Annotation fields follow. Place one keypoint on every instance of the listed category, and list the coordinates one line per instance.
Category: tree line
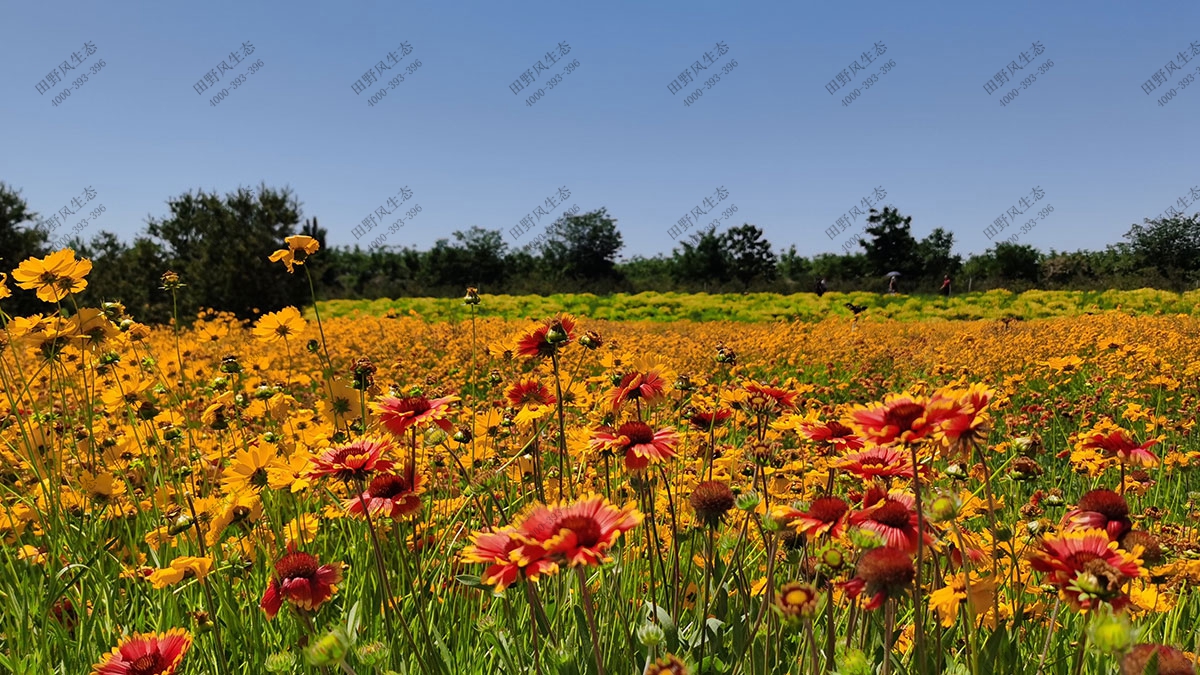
(219, 243)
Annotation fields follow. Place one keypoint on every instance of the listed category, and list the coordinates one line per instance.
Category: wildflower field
(372, 494)
(997, 304)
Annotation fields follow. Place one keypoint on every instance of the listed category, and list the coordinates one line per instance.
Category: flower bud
(945, 508)
(372, 654)
(651, 635)
(472, 296)
(748, 501)
(1112, 633)
(282, 662)
(329, 649)
(854, 662)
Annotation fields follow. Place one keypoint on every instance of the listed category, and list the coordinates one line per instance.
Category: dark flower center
(638, 433)
(1105, 502)
(839, 430)
(413, 404)
(587, 530)
(146, 664)
(827, 509)
(903, 416)
(298, 564)
(892, 514)
(388, 486)
(886, 569)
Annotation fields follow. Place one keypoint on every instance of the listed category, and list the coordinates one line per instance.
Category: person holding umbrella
(893, 287)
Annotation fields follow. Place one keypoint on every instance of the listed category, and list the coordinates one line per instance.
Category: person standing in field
(821, 288)
(892, 286)
(946, 286)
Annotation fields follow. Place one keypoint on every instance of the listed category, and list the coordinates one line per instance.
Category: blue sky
(792, 158)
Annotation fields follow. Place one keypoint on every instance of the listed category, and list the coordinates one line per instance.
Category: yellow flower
(280, 325)
(300, 246)
(54, 277)
(290, 475)
(946, 600)
(302, 529)
(4, 292)
(180, 569)
(249, 469)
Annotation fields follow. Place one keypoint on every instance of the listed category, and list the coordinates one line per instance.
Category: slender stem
(208, 598)
(537, 647)
(590, 611)
(1081, 651)
(918, 600)
(830, 635)
(1049, 634)
(888, 628)
(564, 462)
(812, 646)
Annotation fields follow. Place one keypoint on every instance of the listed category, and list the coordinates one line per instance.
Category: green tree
(702, 261)
(129, 274)
(1169, 245)
(889, 245)
(750, 255)
(936, 255)
(220, 245)
(582, 247)
(19, 241)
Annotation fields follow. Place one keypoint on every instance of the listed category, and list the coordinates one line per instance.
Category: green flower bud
(747, 501)
(283, 662)
(329, 649)
(1112, 633)
(854, 662)
(651, 635)
(372, 654)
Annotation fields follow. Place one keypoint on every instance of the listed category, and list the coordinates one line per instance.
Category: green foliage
(18, 241)
(216, 245)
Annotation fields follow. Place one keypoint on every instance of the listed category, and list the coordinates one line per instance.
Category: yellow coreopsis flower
(280, 325)
(4, 292)
(300, 246)
(54, 277)
(180, 569)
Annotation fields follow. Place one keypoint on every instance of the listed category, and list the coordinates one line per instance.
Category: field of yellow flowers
(377, 494)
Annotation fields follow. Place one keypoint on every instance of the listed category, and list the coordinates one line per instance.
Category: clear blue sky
(791, 156)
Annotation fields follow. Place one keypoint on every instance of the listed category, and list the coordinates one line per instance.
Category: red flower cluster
(548, 536)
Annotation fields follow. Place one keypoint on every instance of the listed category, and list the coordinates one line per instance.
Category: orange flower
(1087, 567)
(895, 521)
(54, 277)
(4, 292)
(826, 515)
(545, 338)
(878, 462)
(641, 445)
(355, 461)
(499, 549)
(1114, 441)
(300, 246)
(400, 414)
(900, 418)
(647, 383)
(578, 533)
(881, 573)
(301, 580)
(146, 654)
(393, 495)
